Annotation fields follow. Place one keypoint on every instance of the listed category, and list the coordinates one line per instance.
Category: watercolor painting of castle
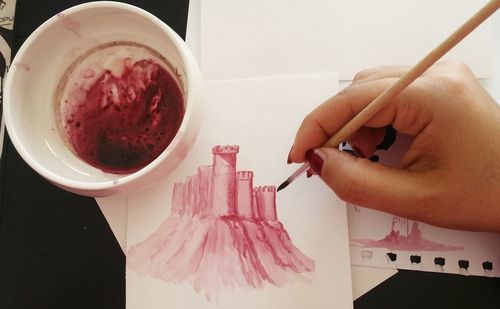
(222, 233)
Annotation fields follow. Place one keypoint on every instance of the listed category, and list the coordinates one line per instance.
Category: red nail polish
(315, 159)
(289, 161)
(309, 173)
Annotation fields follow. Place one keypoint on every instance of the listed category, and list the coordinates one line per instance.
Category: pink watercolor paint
(222, 233)
(405, 238)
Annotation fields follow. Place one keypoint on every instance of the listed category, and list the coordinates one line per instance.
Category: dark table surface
(57, 250)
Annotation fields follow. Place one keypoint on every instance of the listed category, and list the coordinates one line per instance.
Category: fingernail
(309, 173)
(316, 159)
(289, 161)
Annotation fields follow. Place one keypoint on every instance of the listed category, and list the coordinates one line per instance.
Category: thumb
(369, 184)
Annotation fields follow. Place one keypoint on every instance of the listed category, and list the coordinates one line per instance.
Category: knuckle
(454, 64)
(347, 92)
(455, 84)
(308, 120)
(364, 74)
(446, 82)
(359, 76)
(344, 92)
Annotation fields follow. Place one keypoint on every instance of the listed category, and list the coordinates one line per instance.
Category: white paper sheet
(264, 38)
(261, 116)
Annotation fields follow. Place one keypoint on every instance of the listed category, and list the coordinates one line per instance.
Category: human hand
(450, 175)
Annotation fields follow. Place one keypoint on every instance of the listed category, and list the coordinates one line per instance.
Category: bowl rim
(193, 80)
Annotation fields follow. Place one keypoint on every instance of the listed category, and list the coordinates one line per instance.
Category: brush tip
(283, 185)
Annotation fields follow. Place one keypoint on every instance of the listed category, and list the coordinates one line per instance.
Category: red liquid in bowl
(121, 121)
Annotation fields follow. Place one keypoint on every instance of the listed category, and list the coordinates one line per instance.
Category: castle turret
(205, 189)
(178, 200)
(400, 226)
(266, 202)
(224, 180)
(244, 205)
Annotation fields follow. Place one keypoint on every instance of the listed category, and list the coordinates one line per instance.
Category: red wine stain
(222, 233)
(23, 66)
(69, 24)
(124, 122)
(405, 238)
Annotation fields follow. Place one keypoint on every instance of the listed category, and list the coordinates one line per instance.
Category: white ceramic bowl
(41, 62)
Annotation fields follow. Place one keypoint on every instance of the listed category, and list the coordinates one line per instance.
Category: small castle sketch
(404, 235)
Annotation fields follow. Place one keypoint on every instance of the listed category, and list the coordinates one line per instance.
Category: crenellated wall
(244, 202)
(219, 190)
(266, 202)
(224, 180)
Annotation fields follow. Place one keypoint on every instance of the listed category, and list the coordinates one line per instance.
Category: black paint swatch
(487, 265)
(392, 256)
(439, 261)
(463, 264)
(415, 259)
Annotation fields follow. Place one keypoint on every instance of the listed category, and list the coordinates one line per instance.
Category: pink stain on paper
(405, 238)
(222, 233)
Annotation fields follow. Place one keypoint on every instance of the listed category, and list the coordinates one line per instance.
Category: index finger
(333, 114)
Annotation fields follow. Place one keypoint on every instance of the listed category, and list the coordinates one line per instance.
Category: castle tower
(400, 226)
(192, 203)
(205, 174)
(224, 180)
(266, 202)
(244, 201)
(178, 200)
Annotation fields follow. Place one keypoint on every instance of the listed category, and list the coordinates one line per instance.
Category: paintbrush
(385, 97)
